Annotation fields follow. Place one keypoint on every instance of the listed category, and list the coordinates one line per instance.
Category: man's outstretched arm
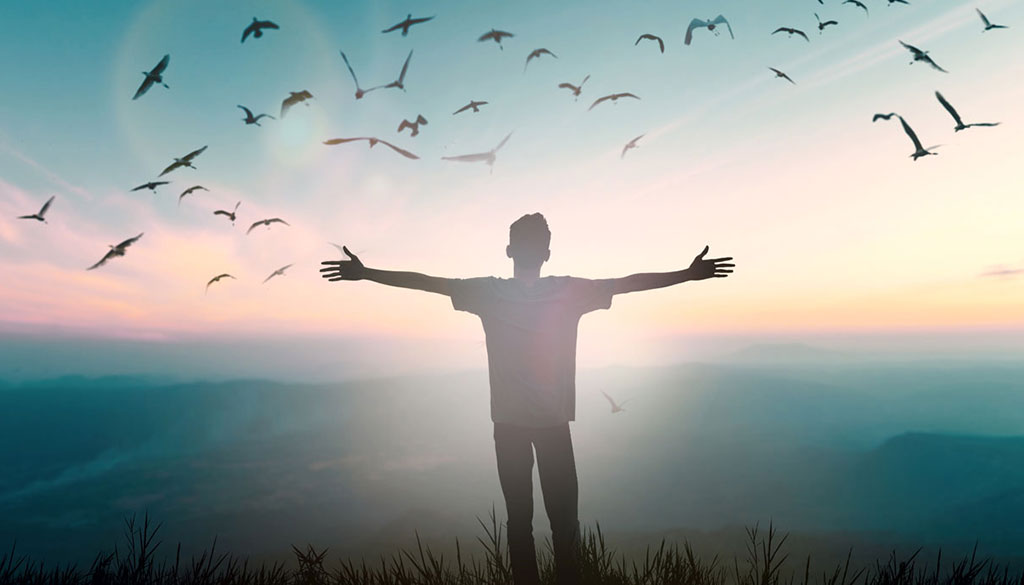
(353, 269)
(701, 268)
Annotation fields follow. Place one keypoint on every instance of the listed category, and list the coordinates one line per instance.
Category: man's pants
(514, 446)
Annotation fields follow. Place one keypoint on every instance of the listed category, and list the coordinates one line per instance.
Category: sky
(833, 227)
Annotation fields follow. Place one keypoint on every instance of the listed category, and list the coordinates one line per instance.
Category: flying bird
(891, 2)
(373, 142)
(115, 251)
(185, 161)
(473, 104)
(782, 75)
(956, 117)
(920, 55)
(400, 82)
(256, 27)
(189, 191)
(822, 25)
(535, 54)
(267, 223)
(650, 37)
(709, 24)
(488, 157)
(919, 150)
(41, 215)
(155, 75)
(229, 214)
(295, 98)
(857, 3)
(575, 89)
(152, 185)
(613, 97)
(629, 145)
(616, 407)
(250, 119)
(792, 31)
(988, 25)
(216, 279)
(415, 126)
(278, 272)
(405, 24)
(496, 36)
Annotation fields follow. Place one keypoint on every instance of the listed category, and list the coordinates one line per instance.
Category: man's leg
(514, 453)
(557, 468)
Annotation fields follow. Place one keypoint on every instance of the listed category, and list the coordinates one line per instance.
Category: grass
(134, 562)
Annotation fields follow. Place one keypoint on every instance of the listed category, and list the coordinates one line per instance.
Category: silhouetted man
(530, 326)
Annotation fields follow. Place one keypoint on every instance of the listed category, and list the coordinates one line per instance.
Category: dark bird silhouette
(41, 215)
(360, 92)
(152, 185)
(295, 97)
(575, 89)
(189, 191)
(782, 75)
(496, 36)
(857, 3)
(708, 24)
(405, 24)
(155, 75)
(919, 150)
(629, 145)
(891, 2)
(650, 37)
(822, 25)
(185, 161)
(115, 251)
(920, 55)
(616, 407)
(473, 104)
(537, 53)
(278, 272)
(250, 119)
(267, 223)
(414, 126)
(488, 157)
(956, 117)
(613, 97)
(228, 214)
(216, 279)
(988, 25)
(400, 82)
(256, 27)
(792, 31)
(373, 142)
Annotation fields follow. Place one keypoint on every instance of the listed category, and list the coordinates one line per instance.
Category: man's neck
(527, 274)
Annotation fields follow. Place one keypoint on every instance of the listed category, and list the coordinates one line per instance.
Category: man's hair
(532, 228)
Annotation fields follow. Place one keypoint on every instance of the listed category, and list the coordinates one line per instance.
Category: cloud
(45, 172)
(1002, 272)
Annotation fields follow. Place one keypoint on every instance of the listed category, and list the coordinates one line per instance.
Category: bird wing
(463, 108)
(395, 27)
(141, 187)
(46, 206)
(502, 33)
(277, 220)
(696, 22)
(420, 119)
(222, 212)
(933, 63)
(188, 157)
(883, 116)
(488, 35)
(610, 401)
(267, 24)
(910, 133)
(599, 100)
(253, 226)
(780, 29)
(661, 44)
(248, 30)
(257, 118)
(161, 65)
(171, 167)
(419, 20)
(584, 80)
(917, 52)
(828, 22)
(287, 103)
(802, 33)
(272, 275)
(129, 242)
(248, 112)
(334, 141)
(405, 67)
(400, 151)
(405, 124)
(502, 143)
(110, 254)
(721, 19)
(949, 108)
(470, 157)
(984, 19)
(568, 85)
(350, 70)
(625, 94)
(146, 84)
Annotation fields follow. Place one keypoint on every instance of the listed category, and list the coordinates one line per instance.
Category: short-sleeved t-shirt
(531, 341)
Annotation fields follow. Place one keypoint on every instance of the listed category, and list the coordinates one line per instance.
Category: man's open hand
(702, 268)
(351, 269)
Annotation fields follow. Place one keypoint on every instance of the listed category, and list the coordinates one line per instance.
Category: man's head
(528, 240)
